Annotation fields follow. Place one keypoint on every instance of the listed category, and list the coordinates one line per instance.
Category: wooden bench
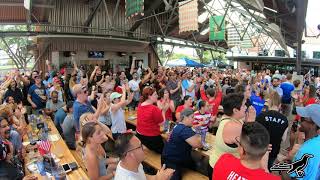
(154, 160)
(78, 157)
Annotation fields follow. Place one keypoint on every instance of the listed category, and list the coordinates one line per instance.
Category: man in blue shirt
(287, 87)
(37, 95)
(81, 105)
(310, 124)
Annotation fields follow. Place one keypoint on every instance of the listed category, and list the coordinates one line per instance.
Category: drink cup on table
(59, 173)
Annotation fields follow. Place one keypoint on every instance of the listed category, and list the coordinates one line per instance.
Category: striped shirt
(204, 118)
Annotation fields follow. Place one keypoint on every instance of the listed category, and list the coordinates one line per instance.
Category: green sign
(217, 29)
(316, 54)
(133, 7)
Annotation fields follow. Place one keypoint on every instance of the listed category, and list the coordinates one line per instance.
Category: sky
(312, 18)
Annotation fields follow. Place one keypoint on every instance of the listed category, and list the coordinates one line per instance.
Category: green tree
(179, 56)
(213, 55)
(16, 47)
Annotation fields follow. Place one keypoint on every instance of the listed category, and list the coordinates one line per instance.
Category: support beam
(148, 12)
(28, 18)
(301, 18)
(170, 18)
(158, 22)
(16, 4)
(191, 44)
(39, 57)
(116, 10)
(92, 14)
(107, 11)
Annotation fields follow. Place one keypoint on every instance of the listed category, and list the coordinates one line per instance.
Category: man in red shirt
(212, 96)
(253, 145)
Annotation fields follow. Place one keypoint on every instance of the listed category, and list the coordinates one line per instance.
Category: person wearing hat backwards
(310, 125)
(177, 150)
(118, 102)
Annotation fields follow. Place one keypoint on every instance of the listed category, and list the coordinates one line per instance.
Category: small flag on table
(44, 147)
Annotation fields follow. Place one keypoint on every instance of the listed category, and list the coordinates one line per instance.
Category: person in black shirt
(96, 75)
(276, 123)
(14, 92)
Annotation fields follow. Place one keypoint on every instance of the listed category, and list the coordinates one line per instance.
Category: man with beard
(52, 106)
(37, 96)
(310, 125)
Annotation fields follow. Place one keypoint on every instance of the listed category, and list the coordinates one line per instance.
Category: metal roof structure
(254, 15)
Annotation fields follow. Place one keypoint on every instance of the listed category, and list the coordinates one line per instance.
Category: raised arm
(93, 73)
(132, 65)
(49, 65)
(122, 102)
(146, 77)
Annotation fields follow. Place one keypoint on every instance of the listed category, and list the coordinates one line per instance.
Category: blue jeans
(202, 133)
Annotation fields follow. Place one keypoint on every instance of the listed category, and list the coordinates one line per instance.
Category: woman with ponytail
(149, 119)
(93, 135)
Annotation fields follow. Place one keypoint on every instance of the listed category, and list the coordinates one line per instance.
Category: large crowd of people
(268, 117)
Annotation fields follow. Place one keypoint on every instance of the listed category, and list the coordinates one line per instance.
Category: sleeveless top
(102, 166)
(102, 163)
(220, 147)
(118, 121)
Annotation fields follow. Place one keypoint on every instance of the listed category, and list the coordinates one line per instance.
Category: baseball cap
(186, 112)
(115, 95)
(311, 111)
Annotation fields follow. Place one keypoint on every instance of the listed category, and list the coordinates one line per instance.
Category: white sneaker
(206, 147)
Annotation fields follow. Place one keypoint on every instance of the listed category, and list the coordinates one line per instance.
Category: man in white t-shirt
(134, 87)
(130, 150)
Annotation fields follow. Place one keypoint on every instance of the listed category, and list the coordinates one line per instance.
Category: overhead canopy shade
(185, 62)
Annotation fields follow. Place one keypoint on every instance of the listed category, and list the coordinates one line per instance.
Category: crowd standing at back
(267, 118)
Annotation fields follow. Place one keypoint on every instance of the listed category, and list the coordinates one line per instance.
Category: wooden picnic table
(210, 138)
(61, 150)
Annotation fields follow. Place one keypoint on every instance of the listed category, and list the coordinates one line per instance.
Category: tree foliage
(16, 47)
(204, 57)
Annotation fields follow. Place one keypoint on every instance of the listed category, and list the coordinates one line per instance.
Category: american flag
(45, 145)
